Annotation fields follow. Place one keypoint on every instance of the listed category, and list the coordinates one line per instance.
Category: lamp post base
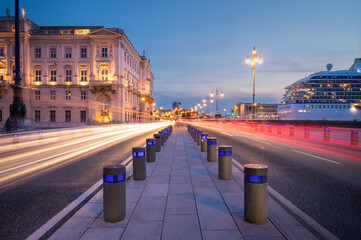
(18, 124)
(218, 115)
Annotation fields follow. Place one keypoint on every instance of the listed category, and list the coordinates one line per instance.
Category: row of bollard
(114, 179)
(326, 133)
(255, 184)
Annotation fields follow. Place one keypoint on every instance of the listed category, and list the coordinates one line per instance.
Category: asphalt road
(321, 179)
(26, 206)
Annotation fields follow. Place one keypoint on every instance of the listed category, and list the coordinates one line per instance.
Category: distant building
(75, 75)
(263, 110)
(176, 105)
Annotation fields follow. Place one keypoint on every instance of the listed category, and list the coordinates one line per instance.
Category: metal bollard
(326, 135)
(212, 149)
(199, 133)
(114, 193)
(279, 130)
(151, 148)
(204, 138)
(225, 162)
(195, 135)
(307, 132)
(255, 193)
(270, 129)
(139, 163)
(292, 130)
(165, 135)
(354, 137)
(157, 142)
(161, 138)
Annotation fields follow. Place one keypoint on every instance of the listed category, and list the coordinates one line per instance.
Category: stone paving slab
(182, 198)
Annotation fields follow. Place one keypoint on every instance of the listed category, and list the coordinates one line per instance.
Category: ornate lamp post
(253, 60)
(221, 95)
(17, 108)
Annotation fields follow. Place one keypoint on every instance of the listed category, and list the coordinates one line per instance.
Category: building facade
(176, 105)
(75, 75)
(263, 110)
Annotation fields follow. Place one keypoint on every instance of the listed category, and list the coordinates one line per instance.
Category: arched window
(53, 73)
(2, 71)
(83, 73)
(104, 74)
(37, 73)
(104, 71)
(68, 73)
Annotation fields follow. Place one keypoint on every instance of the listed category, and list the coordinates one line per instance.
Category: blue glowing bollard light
(225, 153)
(210, 142)
(257, 179)
(138, 154)
(114, 178)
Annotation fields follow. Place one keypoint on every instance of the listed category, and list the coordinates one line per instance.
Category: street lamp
(221, 94)
(253, 60)
(17, 109)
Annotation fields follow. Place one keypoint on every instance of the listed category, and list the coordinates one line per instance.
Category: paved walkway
(182, 198)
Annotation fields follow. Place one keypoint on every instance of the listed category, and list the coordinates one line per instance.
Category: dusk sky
(196, 46)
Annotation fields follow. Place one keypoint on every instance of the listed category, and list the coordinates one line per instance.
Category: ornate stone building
(75, 75)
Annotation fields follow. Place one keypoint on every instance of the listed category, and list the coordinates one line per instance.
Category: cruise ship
(325, 95)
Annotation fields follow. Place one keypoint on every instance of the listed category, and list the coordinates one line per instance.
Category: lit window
(104, 74)
(38, 75)
(67, 95)
(83, 75)
(67, 52)
(37, 52)
(68, 76)
(52, 75)
(104, 52)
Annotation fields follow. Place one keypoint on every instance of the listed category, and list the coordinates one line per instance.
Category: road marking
(227, 134)
(317, 157)
(306, 218)
(63, 213)
(262, 141)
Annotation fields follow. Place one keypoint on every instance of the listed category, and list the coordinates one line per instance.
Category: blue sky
(196, 46)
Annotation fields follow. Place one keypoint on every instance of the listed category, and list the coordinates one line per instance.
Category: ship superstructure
(325, 95)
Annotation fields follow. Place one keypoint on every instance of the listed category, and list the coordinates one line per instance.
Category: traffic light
(232, 113)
